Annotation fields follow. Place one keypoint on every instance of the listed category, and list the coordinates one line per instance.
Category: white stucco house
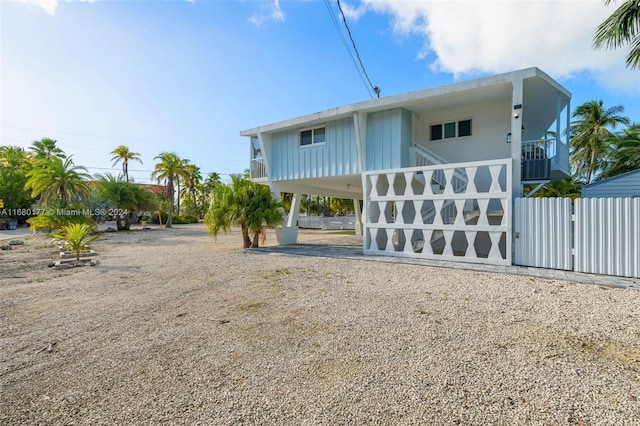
(437, 169)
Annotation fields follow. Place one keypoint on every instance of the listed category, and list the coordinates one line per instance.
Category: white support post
(358, 224)
(360, 125)
(517, 117)
(558, 112)
(287, 233)
(568, 133)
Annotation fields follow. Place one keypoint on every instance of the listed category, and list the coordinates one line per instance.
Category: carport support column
(287, 233)
(356, 209)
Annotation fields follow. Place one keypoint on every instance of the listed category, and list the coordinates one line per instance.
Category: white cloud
(269, 12)
(49, 6)
(465, 37)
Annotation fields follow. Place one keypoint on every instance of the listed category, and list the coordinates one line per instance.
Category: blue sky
(187, 76)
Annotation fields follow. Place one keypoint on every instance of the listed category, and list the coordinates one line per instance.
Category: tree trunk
(256, 237)
(171, 196)
(245, 236)
(127, 222)
(119, 226)
(593, 160)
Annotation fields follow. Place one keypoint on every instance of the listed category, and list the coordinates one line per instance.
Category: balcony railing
(540, 157)
(258, 170)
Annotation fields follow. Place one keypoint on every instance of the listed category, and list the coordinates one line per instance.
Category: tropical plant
(76, 237)
(623, 153)
(567, 187)
(170, 168)
(245, 204)
(125, 196)
(58, 181)
(192, 179)
(14, 165)
(124, 155)
(621, 28)
(590, 135)
(56, 217)
(45, 148)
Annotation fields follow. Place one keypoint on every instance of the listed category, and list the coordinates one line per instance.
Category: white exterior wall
(337, 156)
(491, 121)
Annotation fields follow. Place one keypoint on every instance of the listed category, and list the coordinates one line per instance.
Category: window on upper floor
(450, 130)
(312, 136)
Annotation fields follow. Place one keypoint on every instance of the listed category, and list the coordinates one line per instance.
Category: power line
(115, 137)
(344, 19)
(336, 23)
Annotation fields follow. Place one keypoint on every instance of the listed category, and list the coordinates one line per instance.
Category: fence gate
(607, 239)
(602, 236)
(543, 233)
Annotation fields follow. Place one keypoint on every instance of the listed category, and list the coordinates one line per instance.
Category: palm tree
(76, 237)
(191, 181)
(623, 153)
(122, 153)
(45, 148)
(56, 180)
(126, 196)
(169, 169)
(621, 28)
(246, 204)
(590, 135)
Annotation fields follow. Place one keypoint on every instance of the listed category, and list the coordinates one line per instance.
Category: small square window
(464, 128)
(450, 130)
(318, 135)
(306, 137)
(436, 132)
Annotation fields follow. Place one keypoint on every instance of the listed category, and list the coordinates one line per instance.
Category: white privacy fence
(597, 235)
(426, 212)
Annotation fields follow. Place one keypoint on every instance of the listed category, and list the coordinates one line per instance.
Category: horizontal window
(450, 130)
(312, 136)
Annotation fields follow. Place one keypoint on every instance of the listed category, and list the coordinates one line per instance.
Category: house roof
(612, 179)
(540, 86)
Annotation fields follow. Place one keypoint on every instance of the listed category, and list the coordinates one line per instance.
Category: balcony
(544, 159)
(258, 171)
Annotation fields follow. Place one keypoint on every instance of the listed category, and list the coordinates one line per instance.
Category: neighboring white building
(624, 185)
(437, 169)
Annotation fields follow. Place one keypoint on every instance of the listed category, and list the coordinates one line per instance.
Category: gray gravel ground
(174, 328)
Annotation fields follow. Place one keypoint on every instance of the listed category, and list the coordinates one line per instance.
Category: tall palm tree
(170, 168)
(45, 148)
(590, 135)
(623, 153)
(246, 204)
(621, 28)
(56, 180)
(122, 153)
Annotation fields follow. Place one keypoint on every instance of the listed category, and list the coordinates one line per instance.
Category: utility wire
(336, 23)
(374, 88)
(115, 137)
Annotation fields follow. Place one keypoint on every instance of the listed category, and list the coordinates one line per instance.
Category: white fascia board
(397, 101)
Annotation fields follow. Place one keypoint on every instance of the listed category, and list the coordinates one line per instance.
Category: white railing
(395, 201)
(258, 170)
(542, 155)
(423, 157)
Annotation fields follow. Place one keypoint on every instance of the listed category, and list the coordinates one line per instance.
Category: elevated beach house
(437, 169)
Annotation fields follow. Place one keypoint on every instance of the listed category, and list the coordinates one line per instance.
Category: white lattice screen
(458, 211)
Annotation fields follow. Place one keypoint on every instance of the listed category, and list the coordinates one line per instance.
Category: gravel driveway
(173, 327)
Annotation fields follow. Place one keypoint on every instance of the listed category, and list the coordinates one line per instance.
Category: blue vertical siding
(337, 156)
(388, 139)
